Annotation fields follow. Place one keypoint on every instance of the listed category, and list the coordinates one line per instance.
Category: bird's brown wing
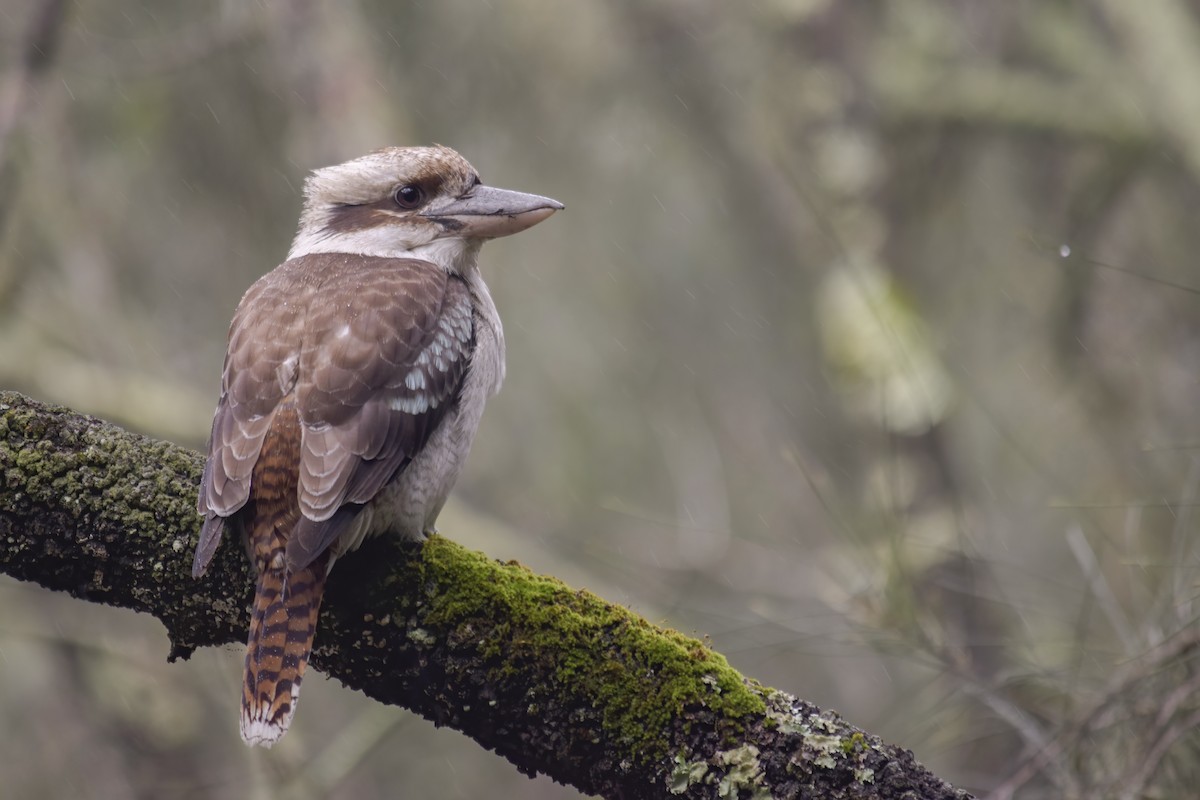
(374, 384)
(259, 371)
(373, 350)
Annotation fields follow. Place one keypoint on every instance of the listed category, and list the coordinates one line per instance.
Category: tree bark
(555, 680)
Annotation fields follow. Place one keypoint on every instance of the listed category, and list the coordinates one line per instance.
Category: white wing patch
(415, 379)
(454, 330)
(410, 404)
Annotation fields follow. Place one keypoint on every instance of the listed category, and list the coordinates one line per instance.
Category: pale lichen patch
(824, 741)
(827, 748)
(421, 636)
(685, 774)
(744, 773)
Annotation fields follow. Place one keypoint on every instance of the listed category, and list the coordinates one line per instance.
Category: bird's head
(410, 202)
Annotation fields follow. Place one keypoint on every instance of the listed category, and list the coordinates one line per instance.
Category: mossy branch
(555, 680)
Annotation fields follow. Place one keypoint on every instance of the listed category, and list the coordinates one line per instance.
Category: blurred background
(867, 346)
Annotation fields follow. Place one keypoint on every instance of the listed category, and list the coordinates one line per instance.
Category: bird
(354, 381)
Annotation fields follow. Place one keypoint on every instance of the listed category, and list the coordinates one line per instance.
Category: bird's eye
(409, 196)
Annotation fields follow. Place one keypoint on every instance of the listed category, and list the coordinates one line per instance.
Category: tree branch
(555, 680)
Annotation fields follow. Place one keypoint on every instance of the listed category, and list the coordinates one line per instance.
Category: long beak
(488, 213)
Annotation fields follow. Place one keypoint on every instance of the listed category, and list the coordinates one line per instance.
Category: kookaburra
(354, 381)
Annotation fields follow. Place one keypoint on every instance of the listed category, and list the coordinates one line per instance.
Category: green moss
(639, 676)
(86, 467)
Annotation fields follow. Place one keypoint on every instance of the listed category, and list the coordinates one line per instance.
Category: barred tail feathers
(282, 624)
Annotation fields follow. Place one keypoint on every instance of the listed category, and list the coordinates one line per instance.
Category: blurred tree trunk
(555, 680)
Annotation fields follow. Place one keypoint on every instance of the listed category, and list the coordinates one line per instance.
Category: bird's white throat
(454, 254)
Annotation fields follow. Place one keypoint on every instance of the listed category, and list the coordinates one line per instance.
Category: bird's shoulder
(348, 308)
(348, 277)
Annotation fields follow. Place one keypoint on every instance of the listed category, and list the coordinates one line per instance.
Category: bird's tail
(282, 624)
